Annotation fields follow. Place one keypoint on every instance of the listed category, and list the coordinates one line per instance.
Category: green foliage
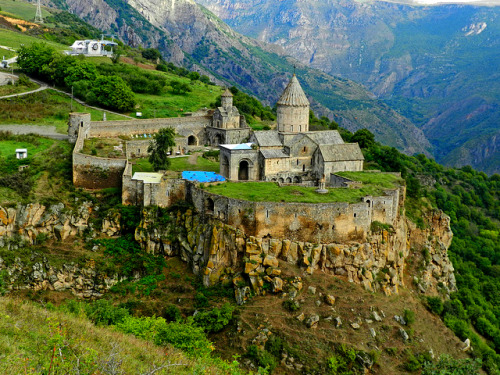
(409, 316)
(214, 320)
(262, 358)
(343, 362)
(162, 142)
(447, 365)
(151, 54)
(172, 313)
(364, 138)
(185, 336)
(103, 312)
(435, 305)
(291, 305)
(179, 88)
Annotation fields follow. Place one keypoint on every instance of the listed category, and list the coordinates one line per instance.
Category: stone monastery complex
(289, 155)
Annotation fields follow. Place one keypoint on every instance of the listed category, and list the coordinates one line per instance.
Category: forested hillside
(472, 200)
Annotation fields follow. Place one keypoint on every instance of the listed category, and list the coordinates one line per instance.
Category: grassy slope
(16, 39)
(29, 334)
(19, 9)
(46, 108)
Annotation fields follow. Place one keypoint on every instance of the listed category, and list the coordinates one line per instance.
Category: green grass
(15, 89)
(20, 9)
(7, 54)
(46, 108)
(383, 180)
(14, 40)
(103, 147)
(8, 148)
(179, 164)
(170, 105)
(271, 192)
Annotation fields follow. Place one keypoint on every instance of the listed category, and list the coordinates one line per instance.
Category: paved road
(46, 131)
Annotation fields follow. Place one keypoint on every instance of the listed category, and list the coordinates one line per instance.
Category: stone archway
(219, 139)
(192, 141)
(288, 180)
(297, 179)
(243, 170)
(210, 206)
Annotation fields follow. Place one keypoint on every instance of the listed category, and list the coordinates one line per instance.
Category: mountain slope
(196, 38)
(438, 66)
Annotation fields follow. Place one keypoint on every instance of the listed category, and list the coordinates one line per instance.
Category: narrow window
(354, 215)
(267, 213)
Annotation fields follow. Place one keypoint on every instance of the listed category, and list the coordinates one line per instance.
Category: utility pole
(38, 15)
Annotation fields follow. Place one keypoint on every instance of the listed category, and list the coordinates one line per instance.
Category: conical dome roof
(293, 94)
(227, 93)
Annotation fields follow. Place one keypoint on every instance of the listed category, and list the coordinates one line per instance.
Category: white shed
(21, 153)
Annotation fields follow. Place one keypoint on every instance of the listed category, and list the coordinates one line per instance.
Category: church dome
(227, 93)
(293, 94)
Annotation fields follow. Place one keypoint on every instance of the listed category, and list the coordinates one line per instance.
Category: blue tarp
(202, 176)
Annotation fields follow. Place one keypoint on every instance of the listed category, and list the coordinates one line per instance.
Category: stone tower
(227, 99)
(293, 109)
(78, 121)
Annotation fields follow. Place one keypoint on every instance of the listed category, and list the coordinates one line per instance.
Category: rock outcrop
(37, 273)
(221, 253)
(27, 223)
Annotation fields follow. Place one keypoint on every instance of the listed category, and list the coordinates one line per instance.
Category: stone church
(290, 154)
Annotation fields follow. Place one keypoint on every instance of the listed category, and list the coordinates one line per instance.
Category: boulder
(312, 321)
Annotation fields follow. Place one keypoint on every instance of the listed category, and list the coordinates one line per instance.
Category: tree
(364, 137)
(112, 92)
(151, 54)
(34, 58)
(179, 88)
(83, 71)
(162, 142)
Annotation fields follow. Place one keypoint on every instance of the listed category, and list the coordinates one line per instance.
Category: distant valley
(438, 66)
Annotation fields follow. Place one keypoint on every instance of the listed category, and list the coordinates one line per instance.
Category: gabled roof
(267, 138)
(273, 154)
(343, 152)
(227, 93)
(293, 94)
(326, 137)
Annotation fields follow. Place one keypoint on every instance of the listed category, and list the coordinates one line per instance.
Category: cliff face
(222, 253)
(24, 224)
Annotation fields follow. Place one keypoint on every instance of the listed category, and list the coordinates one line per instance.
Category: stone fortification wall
(92, 172)
(184, 126)
(138, 193)
(137, 148)
(324, 222)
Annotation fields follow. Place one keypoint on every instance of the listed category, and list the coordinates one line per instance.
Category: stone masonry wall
(320, 223)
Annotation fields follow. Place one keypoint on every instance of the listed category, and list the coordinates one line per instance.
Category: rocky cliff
(222, 253)
(28, 223)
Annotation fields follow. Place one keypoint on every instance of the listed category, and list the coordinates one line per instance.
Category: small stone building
(292, 154)
(228, 126)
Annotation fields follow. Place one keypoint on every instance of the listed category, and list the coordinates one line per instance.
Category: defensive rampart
(313, 222)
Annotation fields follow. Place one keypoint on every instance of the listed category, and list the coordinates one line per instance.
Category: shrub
(186, 337)
(216, 319)
(291, 305)
(435, 305)
(409, 316)
(103, 312)
(172, 313)
(262, 357)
